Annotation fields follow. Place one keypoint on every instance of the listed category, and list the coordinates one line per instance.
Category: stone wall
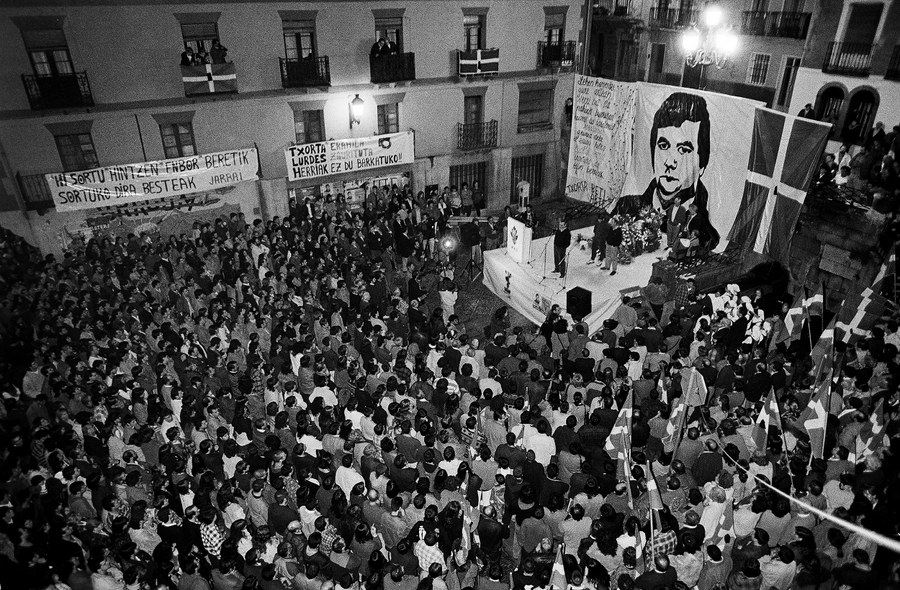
(838, 245)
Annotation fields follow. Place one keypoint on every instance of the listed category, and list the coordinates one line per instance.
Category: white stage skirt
(532, 295)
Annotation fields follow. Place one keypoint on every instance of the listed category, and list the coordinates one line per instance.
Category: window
(469, 174)
(391, 30)
(473, 109)
(178, 139)
(474, 31)
(388, 118)
(554, 26)
(758, 70)
(535, 109)
(199, 36)
(657, 62)
(788, 76)
(299, 38)
(76, 151)
(530, 168)
(309, 126)
(48, 52)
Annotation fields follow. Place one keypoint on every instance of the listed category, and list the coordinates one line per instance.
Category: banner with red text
(113, 186)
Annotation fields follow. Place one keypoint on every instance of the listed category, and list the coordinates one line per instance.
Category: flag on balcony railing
(479, 61)
(784, 156)
(209, 79)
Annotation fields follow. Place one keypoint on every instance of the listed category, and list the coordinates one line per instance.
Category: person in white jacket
(448, 295)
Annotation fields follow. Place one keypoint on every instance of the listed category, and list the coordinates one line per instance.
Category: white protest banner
(600, 147)
(339, 156)
(132, 183)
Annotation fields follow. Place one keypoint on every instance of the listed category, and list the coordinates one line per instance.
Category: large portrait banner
(690, 151)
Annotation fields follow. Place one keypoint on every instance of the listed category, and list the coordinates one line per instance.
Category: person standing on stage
(598, 244)
(561, 241)
(613, 242)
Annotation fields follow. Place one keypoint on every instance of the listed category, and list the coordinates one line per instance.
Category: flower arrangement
(640, 234)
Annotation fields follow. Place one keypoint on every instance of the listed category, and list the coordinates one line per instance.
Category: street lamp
(711, 43)
(356, 110)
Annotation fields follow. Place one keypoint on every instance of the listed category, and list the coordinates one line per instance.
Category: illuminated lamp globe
(713, 16)
(690, 41)
(356, 109)
(726, 43)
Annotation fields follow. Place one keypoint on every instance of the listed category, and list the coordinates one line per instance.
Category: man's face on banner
(676, 161)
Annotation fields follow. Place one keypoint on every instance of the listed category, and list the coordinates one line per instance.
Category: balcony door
(863, 23)
(793, 6)
(473, 25)
(51, 62)
(473, 110)
(391, 30)
(299, 40)
(54, 74)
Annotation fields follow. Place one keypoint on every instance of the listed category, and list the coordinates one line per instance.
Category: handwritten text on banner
(325, 158)
(134, 183)
(600, 148)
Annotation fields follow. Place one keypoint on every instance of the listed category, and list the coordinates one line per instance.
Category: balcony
(478, 62)
(790, 25)
(476, 136)
(392, 68)
(309, 71)
(35, 191)
(556, 55)
(848, 59)
(672, 18)
(58, 92)
(619, 8)
(209, 79)
(893, 69)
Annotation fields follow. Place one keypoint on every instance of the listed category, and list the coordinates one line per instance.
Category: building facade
(641, 40)
(851, 69)
(92, 83)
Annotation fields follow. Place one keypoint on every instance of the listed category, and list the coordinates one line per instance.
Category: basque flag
(209, 78)
(479, 61)
(784, 157)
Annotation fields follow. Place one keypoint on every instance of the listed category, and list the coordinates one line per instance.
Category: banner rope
(877, 538)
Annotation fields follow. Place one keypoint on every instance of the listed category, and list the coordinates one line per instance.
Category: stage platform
(532, 295)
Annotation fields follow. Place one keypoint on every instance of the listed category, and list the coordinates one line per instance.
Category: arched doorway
(829, 103)
(860, 115)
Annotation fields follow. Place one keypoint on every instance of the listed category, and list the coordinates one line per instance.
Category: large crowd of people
(291, 404)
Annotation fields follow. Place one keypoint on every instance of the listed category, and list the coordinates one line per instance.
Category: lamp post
(711, 42)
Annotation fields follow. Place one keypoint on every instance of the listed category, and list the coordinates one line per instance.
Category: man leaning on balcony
(383, 47)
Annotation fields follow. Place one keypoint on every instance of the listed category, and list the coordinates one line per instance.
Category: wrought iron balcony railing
(57, 92)
(848, 59)
(556, 54)
(392, 68)
(476, 136)
(307, 71)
